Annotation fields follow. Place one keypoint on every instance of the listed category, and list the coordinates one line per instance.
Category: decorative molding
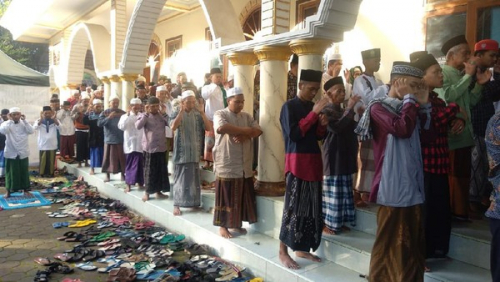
(273, 53)
(248, 10)
(114, 78)
(310, 46)
(242, 58)
(326, 24)
(269, 189)
(104, 79)
(128, 77)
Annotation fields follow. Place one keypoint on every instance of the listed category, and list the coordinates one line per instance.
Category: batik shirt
(492, 140)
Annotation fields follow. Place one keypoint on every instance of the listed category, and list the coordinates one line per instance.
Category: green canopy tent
(14, 73)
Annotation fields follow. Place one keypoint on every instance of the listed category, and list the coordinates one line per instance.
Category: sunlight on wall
(194, 60)
(395, 26)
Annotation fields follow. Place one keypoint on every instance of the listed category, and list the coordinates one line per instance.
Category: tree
(32, 55)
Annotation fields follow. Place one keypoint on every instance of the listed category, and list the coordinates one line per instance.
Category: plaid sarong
(338, 203)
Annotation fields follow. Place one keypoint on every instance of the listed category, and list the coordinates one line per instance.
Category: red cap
(487, 45)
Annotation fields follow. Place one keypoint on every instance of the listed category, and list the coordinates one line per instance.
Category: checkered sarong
(338, 204)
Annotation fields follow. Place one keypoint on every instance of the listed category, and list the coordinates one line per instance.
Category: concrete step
(346, 256)
(255, 251)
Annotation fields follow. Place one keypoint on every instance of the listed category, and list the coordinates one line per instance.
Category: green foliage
(32, 55)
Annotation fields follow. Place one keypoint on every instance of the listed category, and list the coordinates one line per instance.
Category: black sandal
(42, 276)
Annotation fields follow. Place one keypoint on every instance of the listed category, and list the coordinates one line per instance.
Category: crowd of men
(417, 146)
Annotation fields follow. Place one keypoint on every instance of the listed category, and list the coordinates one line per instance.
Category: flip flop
(57, 225)
(43, 261)
(87, 266)
(169, 238)
(67, 235)
(62, 256)
(61, 268)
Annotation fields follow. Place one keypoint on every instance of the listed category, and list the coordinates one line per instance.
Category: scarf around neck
(364, 129)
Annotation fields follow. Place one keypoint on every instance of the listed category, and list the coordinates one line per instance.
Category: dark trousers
(495, 249)
(437, 212)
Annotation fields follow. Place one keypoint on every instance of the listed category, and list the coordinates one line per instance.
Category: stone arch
(221, 18)
(83, 36)
(248, 10)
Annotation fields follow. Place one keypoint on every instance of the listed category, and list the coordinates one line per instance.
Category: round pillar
(116, 87)
(107, 90)
(243, 63)
(273, 87)
(127, 89)
(310, 53)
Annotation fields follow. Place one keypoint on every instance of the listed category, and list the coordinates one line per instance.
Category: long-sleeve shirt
(231, 159)
(399, 176)
(369, 88)
(47, 139)
(435, 151)
(112, 134)
(153, 140)
(456, 89)
(16, 144)
(214, 96)
(132, 137)
(96, 133)
(340, 147)
(78, 117)
(67, 126)
(484, 110)
(301, 131)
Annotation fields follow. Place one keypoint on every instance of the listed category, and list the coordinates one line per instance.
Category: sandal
(60, 268)
(87, 266)
(42, 276)
(43, 261)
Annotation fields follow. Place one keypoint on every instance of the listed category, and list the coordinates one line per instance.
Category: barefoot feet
(107, 177)
(127, 189)
(240, 230)
(328, 231)
(92, 171)
(145, 197)
(7, 195)
(287, 261)
(160, 195)
(308, 256)
(177, 211)
(224, 232)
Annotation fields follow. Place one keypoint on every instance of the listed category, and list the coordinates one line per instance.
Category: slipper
(43, 261)
(67, 235)
(61, 268)
(179, 238)
(169, 238)
(110, 267)
(62, 256)
(87, 266)
(42, 276)
(57, 225)
(94, 254)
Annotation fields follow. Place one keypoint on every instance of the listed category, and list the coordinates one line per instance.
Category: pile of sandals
(111, 240)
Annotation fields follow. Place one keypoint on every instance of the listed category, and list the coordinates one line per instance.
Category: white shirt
(46, 140)
(67, 125)
(132, 137)
(369, 88)
(17, 138)
(213, 95)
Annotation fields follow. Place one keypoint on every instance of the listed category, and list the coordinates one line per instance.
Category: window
(442, 28)
(172, 44)
(305, 8)
(252, 24)
(477, 19)
(488, 24)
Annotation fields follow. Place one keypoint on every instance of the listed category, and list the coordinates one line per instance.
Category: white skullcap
(99, 88)
(14, 110)
(76, 91)
(85, 96)
(187, 93)
(97, 101)
(234, 91)
(334, 56)
(135, 101)
(141, 78)
(113, 97)
(161, 88)
(230, 77)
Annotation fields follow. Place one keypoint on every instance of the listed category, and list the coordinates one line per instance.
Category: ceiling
(47, 18)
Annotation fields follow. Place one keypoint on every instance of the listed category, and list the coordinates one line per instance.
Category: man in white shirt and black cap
(16, 152)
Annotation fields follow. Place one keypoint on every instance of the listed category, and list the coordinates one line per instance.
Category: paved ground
(26, 234)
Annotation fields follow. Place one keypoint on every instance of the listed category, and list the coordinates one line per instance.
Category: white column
(243, 63)
(107, 90)
(116, 87)
(273, 88)
(127, 89)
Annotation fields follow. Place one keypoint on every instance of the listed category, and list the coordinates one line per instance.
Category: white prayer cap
(85, 96)
(14, 110)
(161, 88)
(113, 97)
(234, 91)
(334, 56)
(230, 77)
(141, 78)
(135, 101)
(100, 88)
(97, 101)
(75, 92)
(187, 93)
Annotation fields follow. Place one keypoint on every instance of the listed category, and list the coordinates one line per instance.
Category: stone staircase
(346, 257)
